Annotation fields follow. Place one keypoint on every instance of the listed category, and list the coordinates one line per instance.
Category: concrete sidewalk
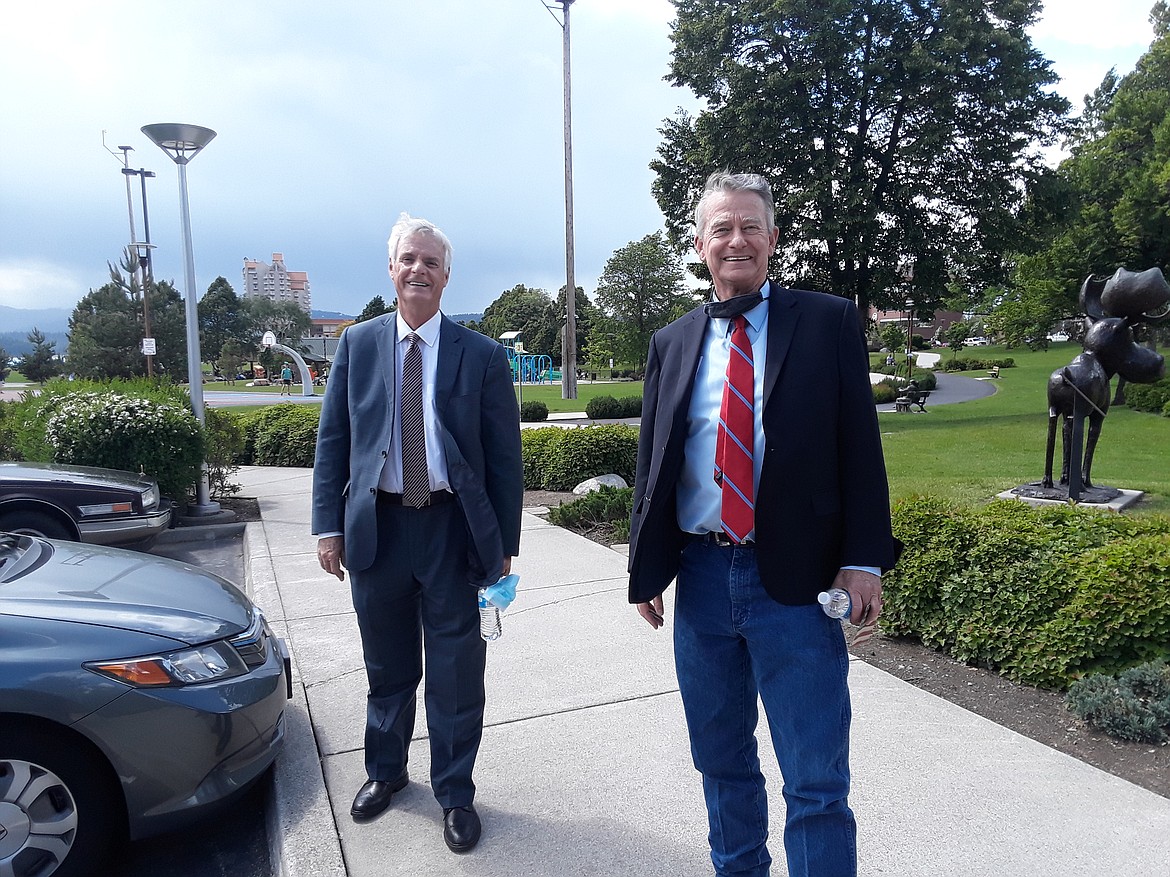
(585, 766)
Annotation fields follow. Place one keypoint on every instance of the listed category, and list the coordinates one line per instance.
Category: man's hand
(865, 593)
(652, 612)
(507, 567)
(331, 555)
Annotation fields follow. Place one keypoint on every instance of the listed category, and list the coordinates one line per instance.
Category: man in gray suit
(417, 491)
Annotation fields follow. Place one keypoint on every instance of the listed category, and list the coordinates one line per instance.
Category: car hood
(109, 587)
(42, 473)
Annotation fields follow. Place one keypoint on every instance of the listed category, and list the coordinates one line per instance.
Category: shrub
(630, 406)
(1148, 397)
(603, 408)
(533, 411)
(537, 447)
(883, 393)
(1042, 595)
(962, 365)
(560, 459)
(605, 510)
(225, 440)
(282, 435)
(1132, 706)
(8, 449)
(121, 432)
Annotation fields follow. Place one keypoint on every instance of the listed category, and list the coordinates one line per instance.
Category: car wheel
(33, 523)
(56, 807)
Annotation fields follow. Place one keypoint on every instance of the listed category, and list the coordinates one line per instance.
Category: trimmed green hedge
(1154, 398)
(560, 459)
(962, 365)
(533, 411)
(1043, 596)
(280, 435)
(609, 408)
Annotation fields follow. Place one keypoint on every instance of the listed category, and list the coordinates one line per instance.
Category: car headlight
(208, 663)
(150, 498)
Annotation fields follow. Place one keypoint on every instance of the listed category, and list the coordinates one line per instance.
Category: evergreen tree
(41, 364)
(221, 319)
(376, 307)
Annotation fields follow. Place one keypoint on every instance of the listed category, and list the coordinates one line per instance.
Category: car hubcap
(38, 820)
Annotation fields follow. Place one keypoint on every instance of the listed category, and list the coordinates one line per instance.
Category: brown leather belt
(437, 497)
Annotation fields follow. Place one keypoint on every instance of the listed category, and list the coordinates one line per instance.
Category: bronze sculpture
(1112, 308)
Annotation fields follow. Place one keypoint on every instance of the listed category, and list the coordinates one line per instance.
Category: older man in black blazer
(417, 491)
(760, 483)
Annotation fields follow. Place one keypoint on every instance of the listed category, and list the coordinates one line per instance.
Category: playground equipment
(528, 368)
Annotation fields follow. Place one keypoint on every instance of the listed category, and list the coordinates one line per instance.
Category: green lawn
(972, 451)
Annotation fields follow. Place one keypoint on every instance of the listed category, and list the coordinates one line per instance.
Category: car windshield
(20, 555)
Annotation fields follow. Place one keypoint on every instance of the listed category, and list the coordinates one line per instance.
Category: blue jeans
(731, 642)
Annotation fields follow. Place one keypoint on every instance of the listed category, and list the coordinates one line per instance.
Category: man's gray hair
(722, 182)
(408, 225)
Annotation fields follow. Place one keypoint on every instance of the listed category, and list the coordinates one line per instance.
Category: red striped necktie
(734, 472)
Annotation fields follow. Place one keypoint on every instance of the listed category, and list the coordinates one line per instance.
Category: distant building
(326, 327)
(276, 283)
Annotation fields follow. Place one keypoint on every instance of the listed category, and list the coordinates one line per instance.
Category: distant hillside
(465, 318)
(16, 343)
(329, 315)
(24, 320)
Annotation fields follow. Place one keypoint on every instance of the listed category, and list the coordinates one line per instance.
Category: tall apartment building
(277, 283)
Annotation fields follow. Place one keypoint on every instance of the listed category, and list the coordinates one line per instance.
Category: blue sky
(333, 118)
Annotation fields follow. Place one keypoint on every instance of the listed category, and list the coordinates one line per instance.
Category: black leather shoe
(374, 797)
(461, 828)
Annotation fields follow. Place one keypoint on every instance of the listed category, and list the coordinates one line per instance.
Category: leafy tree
(232, 355)
(221, 319)
(584, 315)
(41, 364)
(106, 331)
(889, 131)
(641, 290)
(956, 336)
(287, 320)
(528, 311)
(376, 307)
(1112, 204)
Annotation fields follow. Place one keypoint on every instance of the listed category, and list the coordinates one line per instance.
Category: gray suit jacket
(480, 427)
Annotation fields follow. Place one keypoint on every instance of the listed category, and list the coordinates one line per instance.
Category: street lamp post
(142, 250)
(182, 143)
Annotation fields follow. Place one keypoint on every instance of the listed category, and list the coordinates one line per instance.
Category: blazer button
(373, 490)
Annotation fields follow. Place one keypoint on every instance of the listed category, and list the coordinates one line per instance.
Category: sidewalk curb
(302, 835)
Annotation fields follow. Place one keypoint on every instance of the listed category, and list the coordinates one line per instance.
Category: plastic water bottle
(835, 602)
(489, 618)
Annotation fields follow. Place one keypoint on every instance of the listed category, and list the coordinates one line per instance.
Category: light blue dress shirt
(699, 497)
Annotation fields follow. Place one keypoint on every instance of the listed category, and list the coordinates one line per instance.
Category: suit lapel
(450, 355)
(387, 357)
(783, 315)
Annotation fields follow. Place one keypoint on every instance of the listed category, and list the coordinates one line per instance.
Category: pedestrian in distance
(417, 492)
(760, 483)
(286, 380)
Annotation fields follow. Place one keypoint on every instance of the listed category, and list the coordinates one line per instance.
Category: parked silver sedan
(136, 693)
(84, 503)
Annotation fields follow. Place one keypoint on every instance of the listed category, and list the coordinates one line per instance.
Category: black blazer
(823, 500)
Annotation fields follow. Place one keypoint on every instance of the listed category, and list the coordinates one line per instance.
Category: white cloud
(1095, 25)
(34, 285)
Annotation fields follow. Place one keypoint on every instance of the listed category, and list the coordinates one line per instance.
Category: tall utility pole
(142, 249)
(569, 338)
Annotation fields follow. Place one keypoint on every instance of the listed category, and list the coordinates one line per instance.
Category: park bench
(909, 399)
(993, 371)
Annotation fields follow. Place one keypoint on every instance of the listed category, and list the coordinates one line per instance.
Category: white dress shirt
(391, 477)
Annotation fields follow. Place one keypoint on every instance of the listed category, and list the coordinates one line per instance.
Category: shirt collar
(756, 316)
(428, 331)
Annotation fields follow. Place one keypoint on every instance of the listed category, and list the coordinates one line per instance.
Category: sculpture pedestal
(1114, 498)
